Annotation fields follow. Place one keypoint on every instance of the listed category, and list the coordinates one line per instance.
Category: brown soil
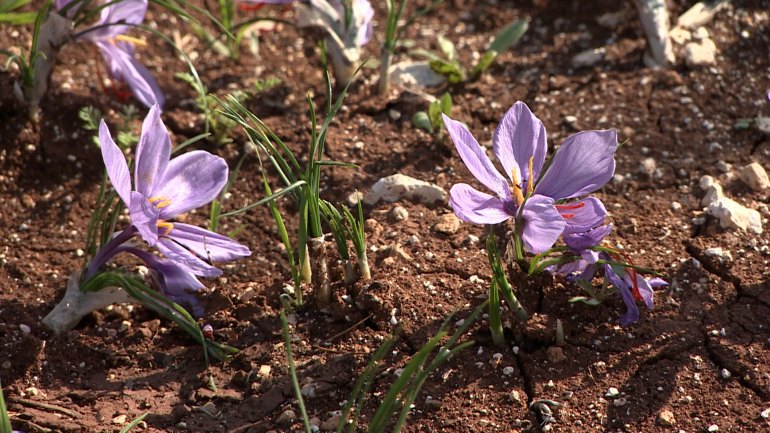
(712, 316)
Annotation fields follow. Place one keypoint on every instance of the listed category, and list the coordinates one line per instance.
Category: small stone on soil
(666, 418)
(286, 418)
(556, 355)
(713, 428)
(447, 224)
(612, 392)
(25, 329)
(725, 373)
(120, 419)
(399, 213)
(755, 176)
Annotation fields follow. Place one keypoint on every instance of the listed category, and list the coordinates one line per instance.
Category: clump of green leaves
(500, 286)
(91, 115)
(431, 121)
(393, 34)
(394, 407)
(10, 15)
(448, 64)
(217, 124)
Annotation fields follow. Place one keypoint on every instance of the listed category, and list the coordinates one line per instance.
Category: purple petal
(476, 159)
(144, 216)
(583, 215)
(363, 14)
(542, 224)
(124, 67)
(583, 164)
(124, 11)
(632, 311)
(184, 257)
(645, 289)
(587, 239)
(519, 137)
(190, 181)
(173, 280)
(152, 153)
(476, 207)
(115, 162)
(207, 245)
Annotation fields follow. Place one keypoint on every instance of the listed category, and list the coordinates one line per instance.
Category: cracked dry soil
(702, 355)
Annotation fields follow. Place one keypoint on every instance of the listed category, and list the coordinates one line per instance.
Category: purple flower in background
(164, 188)
(118, 49)
(633, 287)
(583, 164)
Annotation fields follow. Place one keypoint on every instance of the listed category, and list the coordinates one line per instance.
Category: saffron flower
(583, 164)
(633, 287)
(108, 34)
(164, 188)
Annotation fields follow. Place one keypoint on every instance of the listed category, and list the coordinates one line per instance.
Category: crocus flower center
(165, 225)
(568, 207)
(518, 194)
(159, 202)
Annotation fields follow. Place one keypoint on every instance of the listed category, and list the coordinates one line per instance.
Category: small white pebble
(508, 371)
(725, 373)
(713, 428)
(25, 329)
(612, 392)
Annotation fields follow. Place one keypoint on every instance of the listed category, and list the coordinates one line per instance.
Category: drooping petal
(173, 280)
(144, 216)
(583, 215)
(207, 245)
(519, 137)
(476, 159)
(113, 17)
(583, 164)
(190, 181)
(645, 289)
(632, 311)
(124, 67)
(587, 239)
(542, 224)
(173, 251)
(115, 162)
(476, 207)
(152, 153)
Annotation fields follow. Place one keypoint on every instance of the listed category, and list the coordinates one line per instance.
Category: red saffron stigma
(568, 215)
(248, 7)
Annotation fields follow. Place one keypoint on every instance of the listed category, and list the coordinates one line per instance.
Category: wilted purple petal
(183, 256)
(632, 311)
(587, 239)
(190, 181)
(645, 289)
(206, 244)
(152, 153)
(583, 215)
(476, 207)
(130, 12)
(542, 224)
(115, 162)
(124, 67)
(583, 164)
(144, 216)
(519, 137)
(476, 159)
(173, 280)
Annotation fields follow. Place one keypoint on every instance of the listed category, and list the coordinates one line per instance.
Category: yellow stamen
(531, 180)
(159, 202)
(133, 40)
(165, 225)
(518, 196)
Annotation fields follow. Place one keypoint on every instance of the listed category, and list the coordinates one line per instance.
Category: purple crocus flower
(118, 49)
(580, 244)
(583, 164)
(164, 188)
(633, 287)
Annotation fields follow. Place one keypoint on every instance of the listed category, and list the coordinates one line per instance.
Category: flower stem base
(77, 304)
